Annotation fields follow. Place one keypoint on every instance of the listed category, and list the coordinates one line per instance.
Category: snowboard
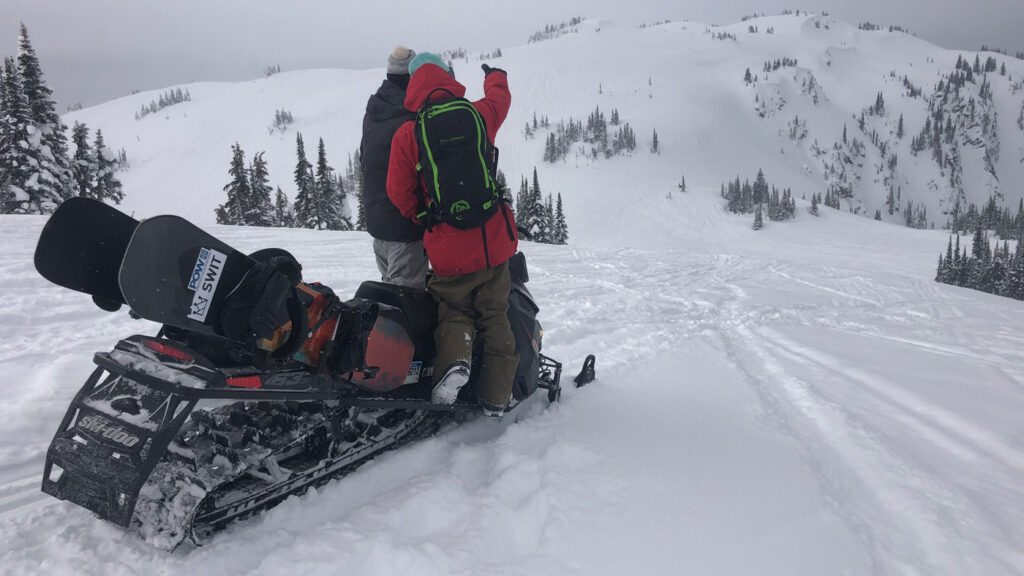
(81, 247)
(175, 273)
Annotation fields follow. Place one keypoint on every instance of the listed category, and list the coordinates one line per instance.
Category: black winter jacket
(385, 112)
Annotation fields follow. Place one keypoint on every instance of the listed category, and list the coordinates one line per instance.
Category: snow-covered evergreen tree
(15, 162)
(522, 201)
(561, 227)
(260, 211)
(235, 210)
(533, 218)
(354, 180)
(329, 203)
(54, 179)
(106, 185)
(549, 221)
(83, 164)
(760, 188)
(283, 216)
(305, 199)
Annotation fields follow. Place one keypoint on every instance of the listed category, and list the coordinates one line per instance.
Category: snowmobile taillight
(169, 351)
(245, 382)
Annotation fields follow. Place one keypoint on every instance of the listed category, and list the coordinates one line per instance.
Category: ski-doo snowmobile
(178, 434)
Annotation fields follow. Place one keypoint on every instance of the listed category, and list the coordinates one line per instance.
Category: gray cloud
(94, 50)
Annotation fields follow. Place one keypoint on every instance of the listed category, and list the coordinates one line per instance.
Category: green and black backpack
(458, 163)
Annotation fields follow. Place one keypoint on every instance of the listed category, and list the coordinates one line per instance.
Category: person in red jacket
(471, 275)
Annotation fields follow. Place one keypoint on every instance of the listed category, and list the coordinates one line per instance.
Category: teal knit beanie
(426, 58)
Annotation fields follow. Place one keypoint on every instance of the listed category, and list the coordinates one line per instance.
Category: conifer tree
(53, 173)
(260, 209)
(760, 190)
(532, 218)
(522, 199)
(14, 125)
(654, 143)
(758, 221)
(237, 207)
(549, 221)
(107, 186)
(1013, 286)
(305, 199)
(83, 166)
(283, 217)
(354, 178)
(561, 227)
(330, 196)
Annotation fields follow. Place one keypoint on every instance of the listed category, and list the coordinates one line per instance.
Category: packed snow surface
(803, 399)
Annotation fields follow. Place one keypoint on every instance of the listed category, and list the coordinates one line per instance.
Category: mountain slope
(675, 78)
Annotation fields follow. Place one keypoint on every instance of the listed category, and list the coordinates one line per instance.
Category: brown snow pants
(471, 304)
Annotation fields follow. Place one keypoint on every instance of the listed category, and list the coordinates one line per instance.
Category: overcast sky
(95, 50)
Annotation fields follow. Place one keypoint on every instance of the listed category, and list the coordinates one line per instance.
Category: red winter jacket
(451, 251)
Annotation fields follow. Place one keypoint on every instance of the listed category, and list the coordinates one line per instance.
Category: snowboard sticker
(205, 277)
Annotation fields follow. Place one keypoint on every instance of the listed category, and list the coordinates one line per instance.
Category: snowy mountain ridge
(811, 124)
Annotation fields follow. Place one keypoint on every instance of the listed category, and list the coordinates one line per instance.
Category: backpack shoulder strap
(427, 103)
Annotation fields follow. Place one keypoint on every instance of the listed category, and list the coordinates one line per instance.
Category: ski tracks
(19, 489)
(924, 486)
(920, 485)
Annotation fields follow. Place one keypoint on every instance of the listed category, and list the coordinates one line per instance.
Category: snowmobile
(174, 436)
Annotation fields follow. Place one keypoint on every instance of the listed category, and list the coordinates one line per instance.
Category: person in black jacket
(397, 241)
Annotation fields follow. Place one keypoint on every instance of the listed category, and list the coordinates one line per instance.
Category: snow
(804, 399)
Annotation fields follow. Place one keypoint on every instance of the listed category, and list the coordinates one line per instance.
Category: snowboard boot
(447, 388)
(492, 411)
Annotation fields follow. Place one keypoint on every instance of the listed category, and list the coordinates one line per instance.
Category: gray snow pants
(403, 263)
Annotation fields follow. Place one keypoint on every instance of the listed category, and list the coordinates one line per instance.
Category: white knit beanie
(398, 61)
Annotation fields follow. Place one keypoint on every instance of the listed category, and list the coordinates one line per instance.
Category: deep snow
(804, 399)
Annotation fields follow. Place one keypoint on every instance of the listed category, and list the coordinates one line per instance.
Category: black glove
(487, 70)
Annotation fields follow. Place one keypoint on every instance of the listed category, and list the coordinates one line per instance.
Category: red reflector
(170, 351)
(245, 382)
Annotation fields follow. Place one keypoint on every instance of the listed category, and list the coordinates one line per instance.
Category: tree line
(540, 219)
(171, 98)
(321, 201)
(995, 271)
(758, 198)
(603, 141)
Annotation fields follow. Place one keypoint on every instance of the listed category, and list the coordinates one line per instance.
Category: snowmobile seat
(418, 305)
(517, 268)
